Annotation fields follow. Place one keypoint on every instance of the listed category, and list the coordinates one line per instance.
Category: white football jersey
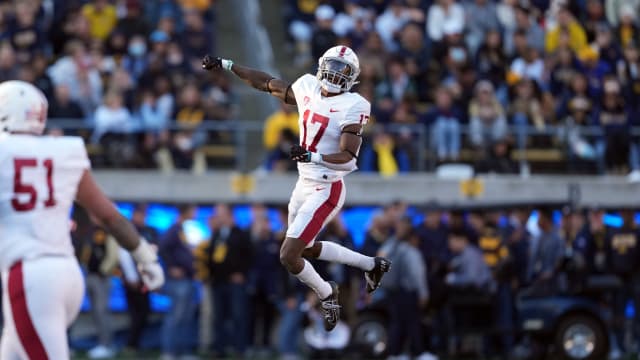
(38, 184)
(321, 122)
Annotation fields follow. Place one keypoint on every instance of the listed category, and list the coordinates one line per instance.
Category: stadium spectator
(481, 17)
(133, 23)
(530, 66)
(285, 118)
(361, 26)
(394, 87)
(112, 116)
(491, 61)
(188, 114)
(534, 35)
(406, 287)
(389, 24)
(413, 50)
(153, 117)
(292, 309)
(61, 105)
(138, 301)
(102, 18)
(445, 120)
(25, 35)
(159, 40)
(564, 69)
(613, 116)
(445, 16)
(628, 71)
(384, 157)
(377, 233)
(196, 37)
(179, 264)
(263, 282)
(99, 255)
(8, 64)
(323, 36)
(76, 71)
(627, 31)
(525, 110)
(624, 251)
(547, 249)
(41, 79)
(467, 268)
(488, 124)
(228, 259)
(578, 117)
(593, 19)
(567, 32)
(615, 8)
(135, 62)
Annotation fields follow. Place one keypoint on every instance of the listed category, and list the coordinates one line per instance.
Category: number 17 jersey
(321, 122)
(38, 184)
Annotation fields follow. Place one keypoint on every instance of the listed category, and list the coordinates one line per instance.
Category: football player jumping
(40, 179)
(331, 121)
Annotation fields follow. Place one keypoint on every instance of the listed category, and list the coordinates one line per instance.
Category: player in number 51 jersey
(40, 179)
(331, 121)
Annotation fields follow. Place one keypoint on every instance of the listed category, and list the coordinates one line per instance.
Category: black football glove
(298, 153)
(209, 62)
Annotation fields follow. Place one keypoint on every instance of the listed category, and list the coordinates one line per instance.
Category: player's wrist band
(316, 158)
(226, 64)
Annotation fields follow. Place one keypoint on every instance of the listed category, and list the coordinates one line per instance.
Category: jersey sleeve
(77, 156)
(357, 114)
(304, 86)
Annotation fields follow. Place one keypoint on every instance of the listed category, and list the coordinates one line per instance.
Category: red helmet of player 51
(23, 108)
(338, 69)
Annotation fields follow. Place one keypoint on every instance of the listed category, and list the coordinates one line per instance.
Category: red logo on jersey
(306, 100)
(333, 110)
(319, 188)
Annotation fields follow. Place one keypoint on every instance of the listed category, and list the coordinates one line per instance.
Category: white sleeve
(78, 156)
(303, 87)
(358, 114)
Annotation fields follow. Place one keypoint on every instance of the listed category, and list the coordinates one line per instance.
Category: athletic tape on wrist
(316, 158)
(226, 64)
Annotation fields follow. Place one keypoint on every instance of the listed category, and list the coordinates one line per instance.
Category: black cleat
(331, 308)
(374, 276)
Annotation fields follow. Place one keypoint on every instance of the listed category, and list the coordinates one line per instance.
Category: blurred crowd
(126, 69)
(487, 75)
(232, 287)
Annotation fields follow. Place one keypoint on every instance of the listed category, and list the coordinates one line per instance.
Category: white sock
(312, 279)
(337, 253)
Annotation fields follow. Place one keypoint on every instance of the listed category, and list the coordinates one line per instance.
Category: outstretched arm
(257, 79)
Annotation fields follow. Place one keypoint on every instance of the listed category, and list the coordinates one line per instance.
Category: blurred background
(502, 154)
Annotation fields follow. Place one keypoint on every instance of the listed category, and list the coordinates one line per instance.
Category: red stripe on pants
(322, 213)
(24, 326)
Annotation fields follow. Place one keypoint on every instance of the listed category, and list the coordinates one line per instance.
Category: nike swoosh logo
(333, 110)
(320, 188)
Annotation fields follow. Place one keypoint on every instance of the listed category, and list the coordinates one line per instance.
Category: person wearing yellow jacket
(285, 118)
(566, 32)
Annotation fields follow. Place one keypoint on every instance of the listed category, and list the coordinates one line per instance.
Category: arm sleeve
(79, 156)
(303, 86)
(358, 114)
